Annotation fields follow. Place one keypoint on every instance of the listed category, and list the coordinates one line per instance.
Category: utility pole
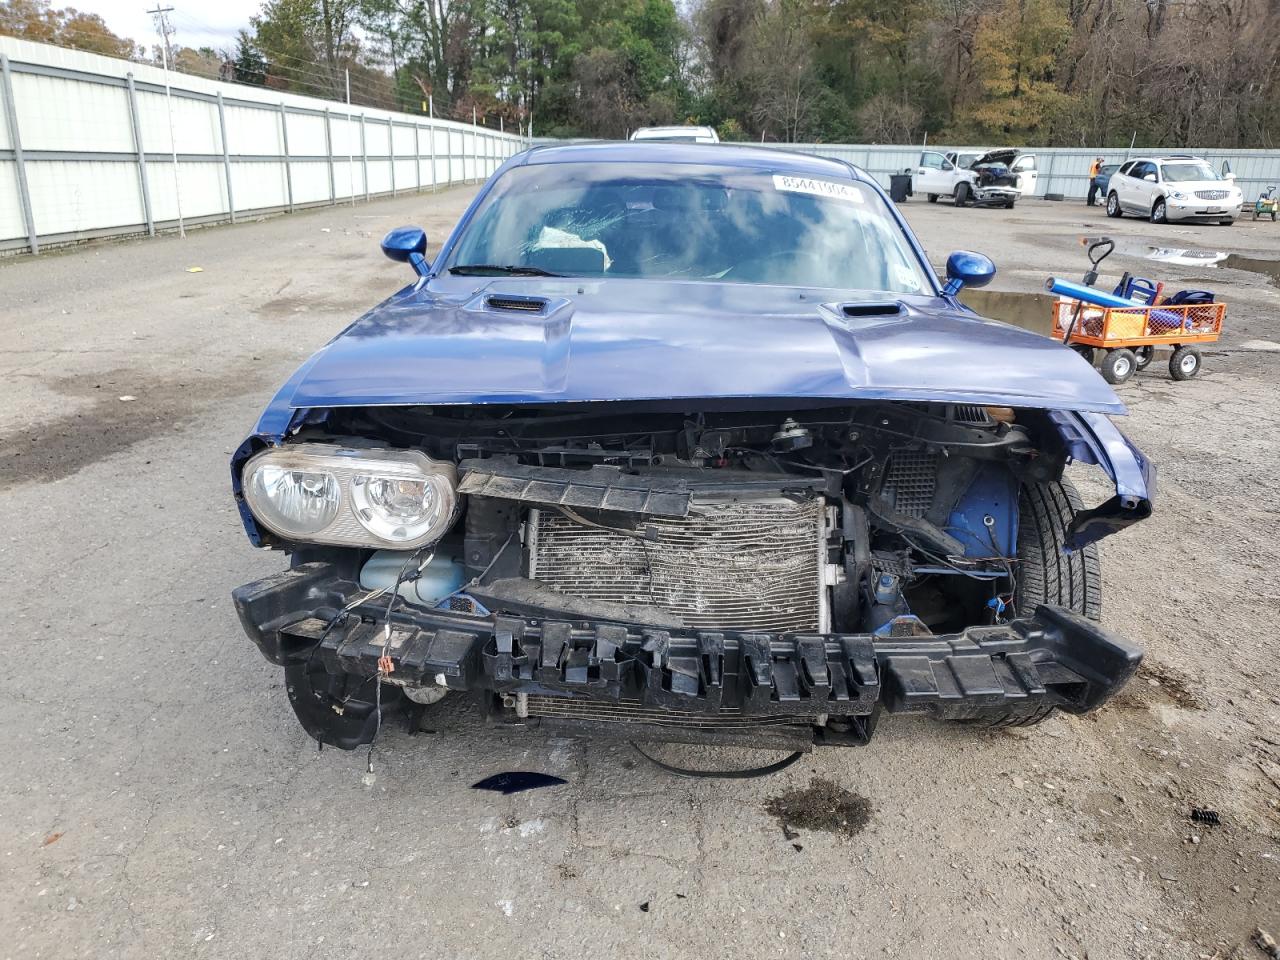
(161, 16)
(351, 149)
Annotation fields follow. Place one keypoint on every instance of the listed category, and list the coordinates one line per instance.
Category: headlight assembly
(319, 493)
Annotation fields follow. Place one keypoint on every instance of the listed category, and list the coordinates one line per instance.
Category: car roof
(1172, 158)
(714, 154)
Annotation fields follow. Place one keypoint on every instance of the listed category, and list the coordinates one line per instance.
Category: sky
(196, 24)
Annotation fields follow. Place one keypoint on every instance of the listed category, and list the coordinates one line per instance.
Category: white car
(1173, 188)
(989, 177)
(678, 134)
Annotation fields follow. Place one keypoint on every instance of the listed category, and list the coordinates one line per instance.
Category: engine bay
(889, 517)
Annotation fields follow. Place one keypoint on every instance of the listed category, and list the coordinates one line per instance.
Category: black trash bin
(899, 186)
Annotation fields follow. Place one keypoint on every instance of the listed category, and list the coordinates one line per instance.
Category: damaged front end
(772, 575)
(994, 181)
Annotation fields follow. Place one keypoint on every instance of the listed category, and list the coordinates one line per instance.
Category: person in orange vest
(1093, 187)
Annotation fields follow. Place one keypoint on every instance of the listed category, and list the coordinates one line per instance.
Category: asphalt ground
(161, 800)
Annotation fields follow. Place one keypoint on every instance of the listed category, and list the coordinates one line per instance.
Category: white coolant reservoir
(443, 575)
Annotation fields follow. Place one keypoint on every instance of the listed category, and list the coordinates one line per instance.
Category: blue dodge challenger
(686, 443)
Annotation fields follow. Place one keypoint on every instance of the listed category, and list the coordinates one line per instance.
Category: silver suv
(1173, 188)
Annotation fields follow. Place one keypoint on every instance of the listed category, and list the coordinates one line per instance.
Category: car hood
(1004, 155)
(449, 342)
(1191, 186)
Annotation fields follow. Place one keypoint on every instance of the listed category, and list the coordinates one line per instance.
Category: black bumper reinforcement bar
(1052, 658)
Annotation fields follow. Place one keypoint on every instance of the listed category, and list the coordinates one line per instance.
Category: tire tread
(1045, 574)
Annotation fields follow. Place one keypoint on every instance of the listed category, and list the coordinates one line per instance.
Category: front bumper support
(1052, 658)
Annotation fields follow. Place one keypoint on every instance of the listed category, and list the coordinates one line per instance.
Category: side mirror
(1229, 176)
(948, 165)
(1151, 177)
(408, 245)
(965, 269)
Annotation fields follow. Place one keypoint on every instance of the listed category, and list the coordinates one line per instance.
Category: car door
(1028, 175)
(1141, 187)
(1124, 185)
(931, 175)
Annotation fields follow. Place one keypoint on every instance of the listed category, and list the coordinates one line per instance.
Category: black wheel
(1226, 223)
(933, 198)
(1185, 363)
(1009, 205)
(1118, 365)
(962, 195)
(1113, 206)
(1159, 212)
(1143, 356)
(1086, 352)
(1047, 574)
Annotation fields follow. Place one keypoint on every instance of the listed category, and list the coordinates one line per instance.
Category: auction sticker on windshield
(819, 188)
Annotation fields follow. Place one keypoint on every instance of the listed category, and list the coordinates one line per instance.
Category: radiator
(752, 564)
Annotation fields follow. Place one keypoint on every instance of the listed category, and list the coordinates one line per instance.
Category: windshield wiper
(511, 270)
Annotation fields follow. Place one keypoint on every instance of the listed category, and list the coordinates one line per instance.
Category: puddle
(821, 806)
(1266, 268)
(1180, 256)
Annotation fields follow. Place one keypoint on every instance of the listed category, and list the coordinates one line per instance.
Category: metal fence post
(226, 158)
(364, 159)
(143, 186)
(1048, 177)
(24, 192)
(284, 142)
(417, 155)
(328, 152)
(391, 151)
(432, 130)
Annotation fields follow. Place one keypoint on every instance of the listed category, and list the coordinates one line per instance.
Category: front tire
(1143, 356)
(1113, 206)
(1119, 365)
(1185, 363)
(1047, 574)
(962, 195)
(1159, 212)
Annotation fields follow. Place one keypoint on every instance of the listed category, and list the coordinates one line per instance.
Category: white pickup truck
(996, 178)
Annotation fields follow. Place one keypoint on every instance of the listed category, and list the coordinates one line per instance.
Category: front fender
(1093, 438)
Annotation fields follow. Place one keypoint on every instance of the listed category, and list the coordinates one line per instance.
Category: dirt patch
(62, 446)
(1156, 684)
(822, 805)
(355, 297)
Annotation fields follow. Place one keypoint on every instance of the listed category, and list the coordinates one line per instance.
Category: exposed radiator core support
(746, 564)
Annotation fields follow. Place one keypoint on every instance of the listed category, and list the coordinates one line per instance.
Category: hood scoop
(515, 303)
(872, 308)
